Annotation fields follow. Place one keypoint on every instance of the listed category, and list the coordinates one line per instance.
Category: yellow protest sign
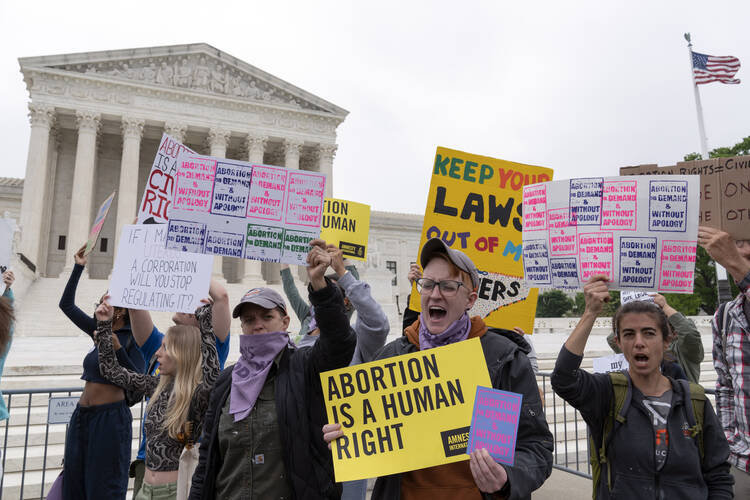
(404, 413)
(474, 205)
(346, 224)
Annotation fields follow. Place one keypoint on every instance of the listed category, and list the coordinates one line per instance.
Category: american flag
(707, 69)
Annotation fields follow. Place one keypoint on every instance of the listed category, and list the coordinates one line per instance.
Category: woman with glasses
(98, 439)
(448, 289)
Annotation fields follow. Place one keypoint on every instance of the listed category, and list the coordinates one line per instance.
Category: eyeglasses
(448, 288)
(741, 243)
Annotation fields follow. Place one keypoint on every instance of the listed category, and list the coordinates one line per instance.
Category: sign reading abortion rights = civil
(640, 232)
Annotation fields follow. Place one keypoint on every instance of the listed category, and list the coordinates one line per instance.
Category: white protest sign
(157, 194)
(613, 363)
(639, 231)
(60, 409)
(626, 297)
(238, 209)
(148, 276)
(6, 243)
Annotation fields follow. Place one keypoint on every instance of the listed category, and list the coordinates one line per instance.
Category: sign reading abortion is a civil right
(639, 231)
(404, 413)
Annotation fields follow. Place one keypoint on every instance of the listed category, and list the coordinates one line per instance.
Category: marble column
(177, 130)
(42, 118)
(251, 270)
(127, 192)
(218, 140)
(325, 155)
(82, 197)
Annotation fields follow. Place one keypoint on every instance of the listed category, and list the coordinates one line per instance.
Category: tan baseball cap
(263, 297)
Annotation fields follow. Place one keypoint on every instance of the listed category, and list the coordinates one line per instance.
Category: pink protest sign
(677, 263)
(267, 193)
(195, 183)
(562, 235)
(305, 202)
(96, 228)
(619, 205)
(595, 254)
(494, 423)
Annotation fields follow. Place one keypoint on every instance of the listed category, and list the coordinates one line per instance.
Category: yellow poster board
(404, 413)
(474, 205)
(346, 224)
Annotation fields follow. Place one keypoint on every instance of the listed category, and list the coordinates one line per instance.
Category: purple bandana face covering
(257, 353)
(313, 324)
(456, 332)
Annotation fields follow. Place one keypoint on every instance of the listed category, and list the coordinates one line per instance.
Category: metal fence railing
(569, 432)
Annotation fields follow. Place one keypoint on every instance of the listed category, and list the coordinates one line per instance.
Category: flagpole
(698, 107)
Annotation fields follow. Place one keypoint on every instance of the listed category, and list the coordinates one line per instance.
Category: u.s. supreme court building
(96, 120)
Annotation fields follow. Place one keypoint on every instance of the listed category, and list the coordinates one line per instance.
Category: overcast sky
(582, 90)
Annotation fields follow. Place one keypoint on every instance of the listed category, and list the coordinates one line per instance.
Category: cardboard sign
(96, 228)
(238, 209)
(724, 190)
(148, 276)
(404, 413)
(639, 231)
(614, 363)
(157, 196)
(494, 425)
(474, 205)
(60, 409)
(346, 224)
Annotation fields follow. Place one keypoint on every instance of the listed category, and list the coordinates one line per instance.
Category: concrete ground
(564, 486)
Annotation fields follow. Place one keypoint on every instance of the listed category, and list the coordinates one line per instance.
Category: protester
(150, 339)
(189, 366)
(302, 309)
(731, 352)
(6, 338)
(685, 346)
(98, 468)
(261, 437)
(447, 291)
(654, 446)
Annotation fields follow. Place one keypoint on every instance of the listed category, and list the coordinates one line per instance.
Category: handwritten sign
(346, 224)
(238, 209)
(614, 363)
(626, 297)
(157, 196)
(60, 409)
(148, 276)
(404, 413)
(474, 205)
(640, 232)
(724, 189)
(96, 228)
(494, 424)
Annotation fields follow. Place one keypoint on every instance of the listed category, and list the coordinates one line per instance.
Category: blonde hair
(465, 277)
(183, 344)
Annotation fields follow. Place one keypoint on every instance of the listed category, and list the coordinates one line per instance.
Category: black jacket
(299, 405)
(509, 370)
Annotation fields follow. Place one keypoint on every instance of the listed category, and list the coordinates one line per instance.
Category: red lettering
(167, 187)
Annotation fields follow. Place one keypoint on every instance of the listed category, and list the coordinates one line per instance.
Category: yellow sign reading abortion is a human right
(406, 412)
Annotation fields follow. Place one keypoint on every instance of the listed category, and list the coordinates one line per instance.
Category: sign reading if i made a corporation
(61, 409)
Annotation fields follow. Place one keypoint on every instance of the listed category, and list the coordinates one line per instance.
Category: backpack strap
(696, 412)
(620, 402)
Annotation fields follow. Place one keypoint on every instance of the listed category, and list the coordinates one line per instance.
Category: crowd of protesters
(259, 429)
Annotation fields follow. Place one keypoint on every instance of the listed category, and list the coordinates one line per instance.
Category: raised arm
(724, 385)
(67, 302)
(108, 364)
(689, 342)
(208, 348)
(299, 306)
(721, 247)
(141, 325)
(222, 318)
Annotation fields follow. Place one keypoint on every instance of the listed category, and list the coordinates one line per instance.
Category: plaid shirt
(733, 383)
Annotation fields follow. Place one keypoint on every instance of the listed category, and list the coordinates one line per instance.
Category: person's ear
(285, 322)
(617, 340)
(471, 299)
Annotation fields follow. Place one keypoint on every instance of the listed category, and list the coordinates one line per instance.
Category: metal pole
(698, 107)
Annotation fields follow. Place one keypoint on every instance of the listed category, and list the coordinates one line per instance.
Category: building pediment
(195, 68)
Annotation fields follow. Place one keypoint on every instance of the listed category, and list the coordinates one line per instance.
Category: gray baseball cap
(457, 257)
(263, 297)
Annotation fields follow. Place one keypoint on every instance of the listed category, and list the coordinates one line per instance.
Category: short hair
(642, 307)
(465, 277)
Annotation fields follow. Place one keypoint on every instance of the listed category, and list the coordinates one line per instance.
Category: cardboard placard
(239, 209)
(404, 413)
(474, 205)
(724, 190)
(639, 231)
(494, 424)
(96, 228)
(346, 224)
(148, 276)
(157, 196)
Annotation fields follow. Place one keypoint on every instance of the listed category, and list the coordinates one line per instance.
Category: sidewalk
(564, 486)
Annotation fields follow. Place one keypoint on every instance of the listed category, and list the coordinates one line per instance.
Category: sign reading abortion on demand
(474, 205)
(148, 276)
(724, 189)
(96, 228)
(346, 224)
(404, 413)
(237, 209)
(157, 196)
(640, 232)
(494, 425)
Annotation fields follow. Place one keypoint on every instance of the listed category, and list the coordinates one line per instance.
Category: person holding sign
(6, 338)
(88, 466)
(261, 437)
(448, 289)
(189, 366)
(656, 437)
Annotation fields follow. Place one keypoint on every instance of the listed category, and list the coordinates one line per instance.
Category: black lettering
(474, 204)
(440, 206)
